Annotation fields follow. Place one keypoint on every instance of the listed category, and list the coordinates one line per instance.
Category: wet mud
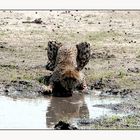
(22, 102)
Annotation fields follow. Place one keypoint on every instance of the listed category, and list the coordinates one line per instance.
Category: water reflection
(67, 109)
(44, 113)
(78, 106)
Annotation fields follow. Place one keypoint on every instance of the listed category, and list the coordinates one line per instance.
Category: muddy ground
(113, 70)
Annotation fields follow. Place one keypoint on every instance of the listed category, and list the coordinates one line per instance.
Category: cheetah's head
(70, 79)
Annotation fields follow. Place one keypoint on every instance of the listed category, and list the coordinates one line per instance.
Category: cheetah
(66, 63)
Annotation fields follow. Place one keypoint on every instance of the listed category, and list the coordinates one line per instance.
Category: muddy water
(45, 112)
(20, 114)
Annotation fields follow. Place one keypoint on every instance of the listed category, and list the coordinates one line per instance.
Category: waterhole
(45, 112)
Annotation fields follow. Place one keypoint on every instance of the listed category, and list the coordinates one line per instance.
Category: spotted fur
(83, 55)
(53, 47)
(66, 62)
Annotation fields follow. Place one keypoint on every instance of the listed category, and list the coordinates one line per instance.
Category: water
(20, 114)
(45, 112)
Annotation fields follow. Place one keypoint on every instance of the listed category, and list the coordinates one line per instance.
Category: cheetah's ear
(53, 47)
(83, 55)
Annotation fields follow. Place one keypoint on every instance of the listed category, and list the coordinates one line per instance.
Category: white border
(69, 134)
(69, 4)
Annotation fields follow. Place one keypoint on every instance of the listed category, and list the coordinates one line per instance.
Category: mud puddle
(45, 112)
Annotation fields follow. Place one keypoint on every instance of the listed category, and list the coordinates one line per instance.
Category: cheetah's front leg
(84, 86)
(48, 89)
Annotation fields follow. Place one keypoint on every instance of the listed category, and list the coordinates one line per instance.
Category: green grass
(2, 33)
(115, 122)
(100, 36)
(42, 80)
(126, 82)
(121, 73)
(12, 73)
(138, 54)
(96, 75)
(72, 37)
(8, 66)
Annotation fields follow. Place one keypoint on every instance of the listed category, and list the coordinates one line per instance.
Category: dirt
(22, 89)
(113, 70)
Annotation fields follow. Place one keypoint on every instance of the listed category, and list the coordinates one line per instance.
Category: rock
(99, 84)
(102, 55)
(124, 92)
(116, 92)
(37, 21)
(134, 70)
(6, 91)
(134, 41)
(87, 68)
(64, 126)
(85, 121)
(91, 87)
(3, 45)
